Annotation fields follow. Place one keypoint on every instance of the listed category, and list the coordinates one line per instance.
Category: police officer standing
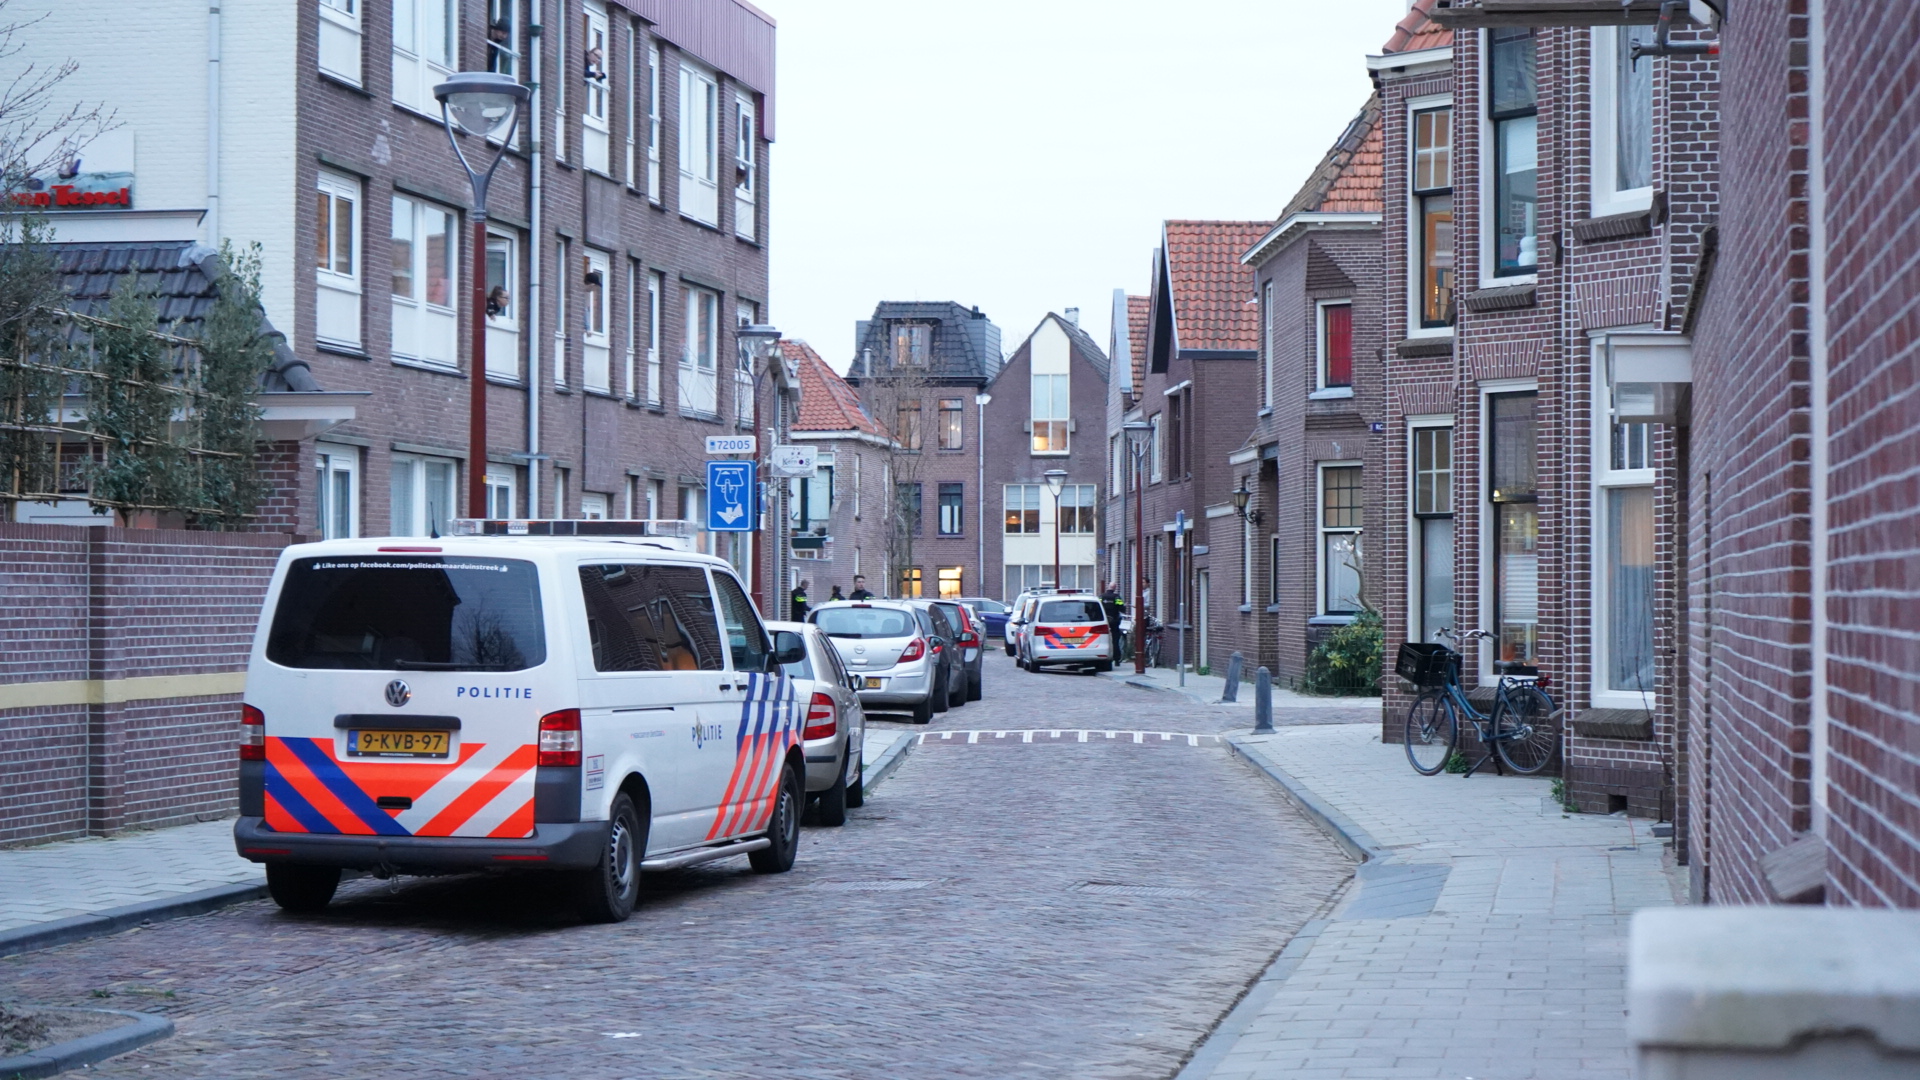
(800, 602)
(1116, 607)
(859, 589)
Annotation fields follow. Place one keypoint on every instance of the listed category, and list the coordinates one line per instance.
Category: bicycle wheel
(1430, 732)
(1522, 734)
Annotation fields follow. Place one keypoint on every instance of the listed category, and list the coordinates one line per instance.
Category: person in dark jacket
(859, 589)
(836, 595)
(800, 602)
(1116, 607)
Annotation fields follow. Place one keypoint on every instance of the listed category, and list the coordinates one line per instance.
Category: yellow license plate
(397, 743)
(875, 684)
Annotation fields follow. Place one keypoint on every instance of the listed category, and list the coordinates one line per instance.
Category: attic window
(912, 344)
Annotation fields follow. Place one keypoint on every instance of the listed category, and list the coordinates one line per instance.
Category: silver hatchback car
(835, 726)
(885, 646)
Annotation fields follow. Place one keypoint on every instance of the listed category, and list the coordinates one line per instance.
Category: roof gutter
(1442, 56)
(1292, 228)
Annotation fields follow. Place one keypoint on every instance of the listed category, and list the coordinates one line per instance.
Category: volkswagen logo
(398, 693)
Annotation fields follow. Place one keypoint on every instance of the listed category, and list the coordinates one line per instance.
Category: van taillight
(560, 739)
(915, 649)
(822, 718)
(253, 734)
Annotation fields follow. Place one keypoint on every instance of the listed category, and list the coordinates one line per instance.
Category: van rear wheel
(607, 893)
(303, 889)
(783, 830)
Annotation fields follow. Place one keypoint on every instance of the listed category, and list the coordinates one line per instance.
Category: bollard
(1262, 701)
(1232, 692)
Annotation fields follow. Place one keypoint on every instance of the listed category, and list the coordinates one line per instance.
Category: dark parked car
(992, 611)
(946, 629)
(972, 644)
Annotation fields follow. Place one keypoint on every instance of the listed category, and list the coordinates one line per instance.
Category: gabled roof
(1079, 340)
(182, 278)
(1348, 186)
(1209, 289)
(1139, 310)
(827, 403)
(1417, 32)
(966, 344)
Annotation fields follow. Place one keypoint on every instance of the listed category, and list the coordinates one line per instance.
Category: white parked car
(891, 648)
(835, 725)
(1068, 630)
(590, 706)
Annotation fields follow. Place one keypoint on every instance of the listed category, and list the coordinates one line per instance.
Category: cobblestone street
(1003, 907)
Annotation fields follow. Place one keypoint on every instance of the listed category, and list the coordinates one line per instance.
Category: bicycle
(1519, 731)
(1154, 635)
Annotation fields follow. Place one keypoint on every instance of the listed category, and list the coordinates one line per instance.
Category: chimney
(1073, 316)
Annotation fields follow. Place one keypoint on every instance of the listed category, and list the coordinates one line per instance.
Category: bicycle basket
(1424, 664)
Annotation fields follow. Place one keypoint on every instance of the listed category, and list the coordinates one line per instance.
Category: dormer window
(912, 344)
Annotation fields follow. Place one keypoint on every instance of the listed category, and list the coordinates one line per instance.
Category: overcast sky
(1020, 154)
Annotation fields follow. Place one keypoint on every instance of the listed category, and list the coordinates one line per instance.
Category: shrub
(1347, 661)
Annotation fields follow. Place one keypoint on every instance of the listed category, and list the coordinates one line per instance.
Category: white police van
(587, 697)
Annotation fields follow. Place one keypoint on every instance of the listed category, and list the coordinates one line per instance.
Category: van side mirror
(788, 648)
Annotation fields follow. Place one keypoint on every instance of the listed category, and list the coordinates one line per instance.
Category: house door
(1203, 591)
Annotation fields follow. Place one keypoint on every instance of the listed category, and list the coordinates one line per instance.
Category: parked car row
(920, 657)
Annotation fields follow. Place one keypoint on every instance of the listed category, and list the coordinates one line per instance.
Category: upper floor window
(1622, 121)
(424, 255)
(1266, 344)
(907, 430)
(503, 37)
(1433, 216)
(340, 39)
(1153, 449)
(912, 344)
(1076, 509)
(953, 502)
(426, 50)
(595, 124)
(1051, 410)
(653, 122)
(1023, 508)
(746, 166)
(953, 413)
(1336, 345)
(503, 320)
(337, 260)
(1512, 102)
(1177, 436)
(699, 145)
(699, 361)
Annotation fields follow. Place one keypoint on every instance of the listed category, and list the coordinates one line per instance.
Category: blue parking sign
(730, 496)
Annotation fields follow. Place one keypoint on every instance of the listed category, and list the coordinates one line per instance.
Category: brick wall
(93, 607)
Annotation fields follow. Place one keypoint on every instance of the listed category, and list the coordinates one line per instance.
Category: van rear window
(1072, 611)
(409, 613)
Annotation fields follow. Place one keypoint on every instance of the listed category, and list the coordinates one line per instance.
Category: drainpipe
(980, 490)
(213, 124)
(536, 247)
(1819, 460)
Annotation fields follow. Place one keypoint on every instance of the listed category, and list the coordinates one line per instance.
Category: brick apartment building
(839, 516)
(1198, 349)
(1546, 199)
(1296, 563)
(920, 368)
(1046, 414)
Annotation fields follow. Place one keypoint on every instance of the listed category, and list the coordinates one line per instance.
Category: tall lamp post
(485, 105)
(1138, 432)
(980, 490)
(759, 349)
(1056, 478)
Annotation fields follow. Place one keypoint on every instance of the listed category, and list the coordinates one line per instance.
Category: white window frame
(1321, 389)
(428, 319)
(1059, 413)
(745, 313)
(699, 372)
(1414, 107)
(502, 483)
(630, 364)
(1604, 132)
(1089, 492)
(1488, 163)
(700, 123)
(1607, 479)
(338, 52)
(412, 470)
(503, 331)
(636, 74)
(1416, 592)
(559, 79)
(1487, 517)
(1266, 346)
(656, 289)
(332, 461)
(503, 57)
(1246, 563)
(653, 121)
(562, 263)
(1154, 474)
(1009, 503)
(338, 292)
(1321, 531)
(594, 506)
(596, 322)
(596, 93)
(746, 160)
(857, 458)
(415, 71)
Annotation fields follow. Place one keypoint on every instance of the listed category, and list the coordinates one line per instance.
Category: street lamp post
(485, 105)
(1137, 433)
(1056, 478)
(759, 346)
(980, 490)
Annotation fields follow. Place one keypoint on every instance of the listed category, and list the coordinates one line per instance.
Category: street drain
(898, 885)
(1108, 888)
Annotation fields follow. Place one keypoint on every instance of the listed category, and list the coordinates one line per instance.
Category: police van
(592, 698)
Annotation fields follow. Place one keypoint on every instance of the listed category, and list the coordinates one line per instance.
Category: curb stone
(1219, 1042)
(1351, 837)
(889, 760)
(142, 1029)
(113, 920)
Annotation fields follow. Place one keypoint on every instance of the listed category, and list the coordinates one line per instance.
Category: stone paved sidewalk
(70, 878)
(1485, 938)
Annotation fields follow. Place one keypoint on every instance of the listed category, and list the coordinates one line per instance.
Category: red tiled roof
(1139, 309)
(1351, 177)
(1212, 291)
(1417, 32)
(827, 403)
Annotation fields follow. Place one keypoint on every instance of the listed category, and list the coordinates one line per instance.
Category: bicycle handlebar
(1462, 635)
